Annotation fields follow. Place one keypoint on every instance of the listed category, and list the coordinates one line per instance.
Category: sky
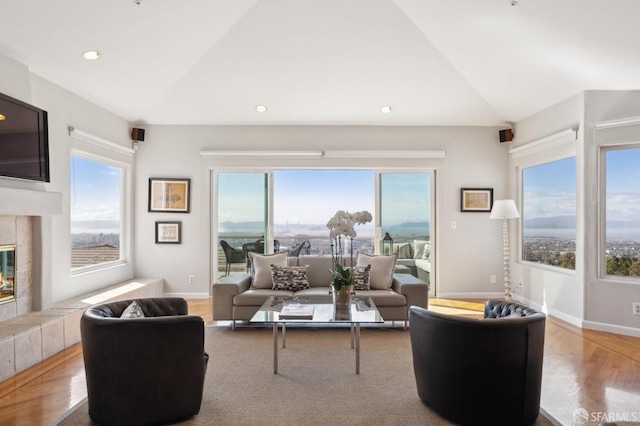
(95, 190)
(549, 189)
(314, 196)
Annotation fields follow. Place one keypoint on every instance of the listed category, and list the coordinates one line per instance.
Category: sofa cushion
(319, 270)
(261, 267)
(362, 277)
(289, 277)
(256, 297)
(314, 291)
(381, 276)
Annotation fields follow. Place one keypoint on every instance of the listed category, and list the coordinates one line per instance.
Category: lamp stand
(507, 256)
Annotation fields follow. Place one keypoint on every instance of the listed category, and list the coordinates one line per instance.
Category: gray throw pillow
(381, 275)
(261, 267)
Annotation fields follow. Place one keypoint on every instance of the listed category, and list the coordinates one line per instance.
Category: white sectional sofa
(416, 255)
(237, 297)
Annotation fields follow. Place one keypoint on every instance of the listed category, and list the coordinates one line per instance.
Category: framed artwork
(169, 195)
(168, 232)
(476, 199)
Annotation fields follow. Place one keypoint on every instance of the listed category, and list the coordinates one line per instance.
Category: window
(549, 213)
(305, 200)
(622, 212)
(96, 212)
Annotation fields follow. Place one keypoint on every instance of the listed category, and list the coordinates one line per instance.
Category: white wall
(64, 109)
(475, 158)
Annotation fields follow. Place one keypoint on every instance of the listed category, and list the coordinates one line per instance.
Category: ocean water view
(628, 234)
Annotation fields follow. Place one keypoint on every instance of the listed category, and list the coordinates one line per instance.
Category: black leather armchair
(143, 370)
(485, 371)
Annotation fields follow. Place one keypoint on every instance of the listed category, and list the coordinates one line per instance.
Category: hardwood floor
(596, 371)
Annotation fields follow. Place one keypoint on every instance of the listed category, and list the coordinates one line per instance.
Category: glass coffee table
(362, 310)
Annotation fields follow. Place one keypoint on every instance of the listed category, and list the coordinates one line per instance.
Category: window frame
(555, 147)
(520, 170)
(602, 211)
(125, 191)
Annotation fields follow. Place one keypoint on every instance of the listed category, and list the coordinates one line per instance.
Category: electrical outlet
(454, 225)
(492, 279)
(636, 308)
(192, 279)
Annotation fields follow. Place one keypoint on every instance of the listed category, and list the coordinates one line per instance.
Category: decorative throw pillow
(361, 277)
(381, 275)
(133, 311)
(418, 248)
(261, 267)
(290, 277)
(426, 255)
(403, 250)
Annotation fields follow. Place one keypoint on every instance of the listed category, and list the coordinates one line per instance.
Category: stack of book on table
(297, 311)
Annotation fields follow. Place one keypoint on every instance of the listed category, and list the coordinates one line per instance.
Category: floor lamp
(505, 209)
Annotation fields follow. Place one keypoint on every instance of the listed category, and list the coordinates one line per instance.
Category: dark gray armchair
(143, 370)
(474, 371)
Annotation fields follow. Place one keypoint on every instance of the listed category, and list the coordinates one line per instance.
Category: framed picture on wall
(168, 232)
(476, 199)
(169, 195)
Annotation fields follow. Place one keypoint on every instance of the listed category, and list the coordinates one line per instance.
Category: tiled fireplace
(7, 273)
(16, 266)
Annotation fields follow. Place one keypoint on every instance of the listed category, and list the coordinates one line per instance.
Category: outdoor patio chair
(232, 255)
(256, 247)
(297, 250)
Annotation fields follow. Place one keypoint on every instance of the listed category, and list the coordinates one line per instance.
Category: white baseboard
(611, 328)
(470, 295)
(188, 295)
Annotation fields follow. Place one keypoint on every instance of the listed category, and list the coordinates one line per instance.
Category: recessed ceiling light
(513, 3)
(91, 54)
(261, 108)
(385, 109)
(2, 117)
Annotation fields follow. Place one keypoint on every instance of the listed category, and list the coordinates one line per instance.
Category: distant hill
(556, 222)
(569, 222)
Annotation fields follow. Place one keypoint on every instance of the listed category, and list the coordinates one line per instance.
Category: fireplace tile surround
(18, 231)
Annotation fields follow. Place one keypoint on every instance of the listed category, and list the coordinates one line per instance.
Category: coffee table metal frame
(363, 310)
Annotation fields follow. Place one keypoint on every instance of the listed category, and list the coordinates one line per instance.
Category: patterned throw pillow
(290, 277)
(361, 276)
(426, 255)
(133, 311)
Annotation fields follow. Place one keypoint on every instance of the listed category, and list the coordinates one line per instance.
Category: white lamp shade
(504, 209)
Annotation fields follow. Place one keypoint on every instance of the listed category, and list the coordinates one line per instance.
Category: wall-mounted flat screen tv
(24, 140)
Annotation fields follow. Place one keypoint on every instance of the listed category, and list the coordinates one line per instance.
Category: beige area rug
(316, 384)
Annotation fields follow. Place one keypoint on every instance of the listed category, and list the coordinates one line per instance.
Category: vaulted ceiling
(435, 62)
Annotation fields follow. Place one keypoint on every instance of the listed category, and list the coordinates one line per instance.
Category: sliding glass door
(242, 219)
(406, 217)
(289, 209)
